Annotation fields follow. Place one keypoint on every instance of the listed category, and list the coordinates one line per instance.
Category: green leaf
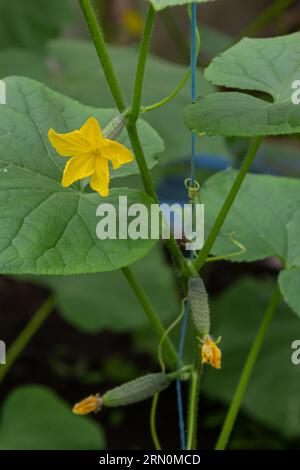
(84, 81)
(31, 23)
(35, 418)
(161, 4)
(90, 303)
(265, 219)
(265, 216)
(268, 66)
(46, 229)
(273, 393)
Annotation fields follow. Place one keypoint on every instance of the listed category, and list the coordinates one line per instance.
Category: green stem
(172, 95)
(201, 259)
(141, 160)
(193, 405)
(153, 422)
(167, 99)
(247, 371)
(134, 136)
(152, 315)
(140, 70)
(268, 15)
(136, 106)
(171, 244)
(98, 39)
(25, 336)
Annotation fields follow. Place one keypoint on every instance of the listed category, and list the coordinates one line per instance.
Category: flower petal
(210, 353)
(92, 132)
(79, 142)
(117, 153)
(89, 404)
(72, 144)
(100, 179)
(78, 168)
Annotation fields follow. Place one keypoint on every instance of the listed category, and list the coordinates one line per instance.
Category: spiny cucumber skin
(114, 128)
(199, 306)
(137, 390)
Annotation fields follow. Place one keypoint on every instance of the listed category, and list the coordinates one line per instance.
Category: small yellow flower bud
(210, 352)
(93, 403)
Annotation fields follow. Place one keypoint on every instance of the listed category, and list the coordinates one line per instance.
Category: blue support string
(193, 155)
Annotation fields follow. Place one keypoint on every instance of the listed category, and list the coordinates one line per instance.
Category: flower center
(97, 152)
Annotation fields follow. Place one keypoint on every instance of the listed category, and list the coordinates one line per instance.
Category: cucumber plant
(48, 228)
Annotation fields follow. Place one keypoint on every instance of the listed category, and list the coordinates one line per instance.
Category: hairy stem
(201, 258)
(140, 70)
(247, 371)
(99, 42)
(193, 405)
(136, 106)
(141, 160)
(152, 315)
(27, 333)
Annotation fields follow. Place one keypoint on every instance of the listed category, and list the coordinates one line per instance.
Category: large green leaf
(31, 23)
(35, 418)
(268, 66)
(264, 217)
(83, 80)
(161, 4)
(46, 229)
(273, 393)
(92, 302)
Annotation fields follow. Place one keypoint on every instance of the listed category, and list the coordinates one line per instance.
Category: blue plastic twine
(186, 310)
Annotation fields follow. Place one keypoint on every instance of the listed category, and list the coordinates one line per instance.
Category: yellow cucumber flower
(210, 352)
(133, 22)
(90, 155)
(93, 403)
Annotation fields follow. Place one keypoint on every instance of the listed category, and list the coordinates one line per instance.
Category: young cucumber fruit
(137, 390)
(199, 306)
